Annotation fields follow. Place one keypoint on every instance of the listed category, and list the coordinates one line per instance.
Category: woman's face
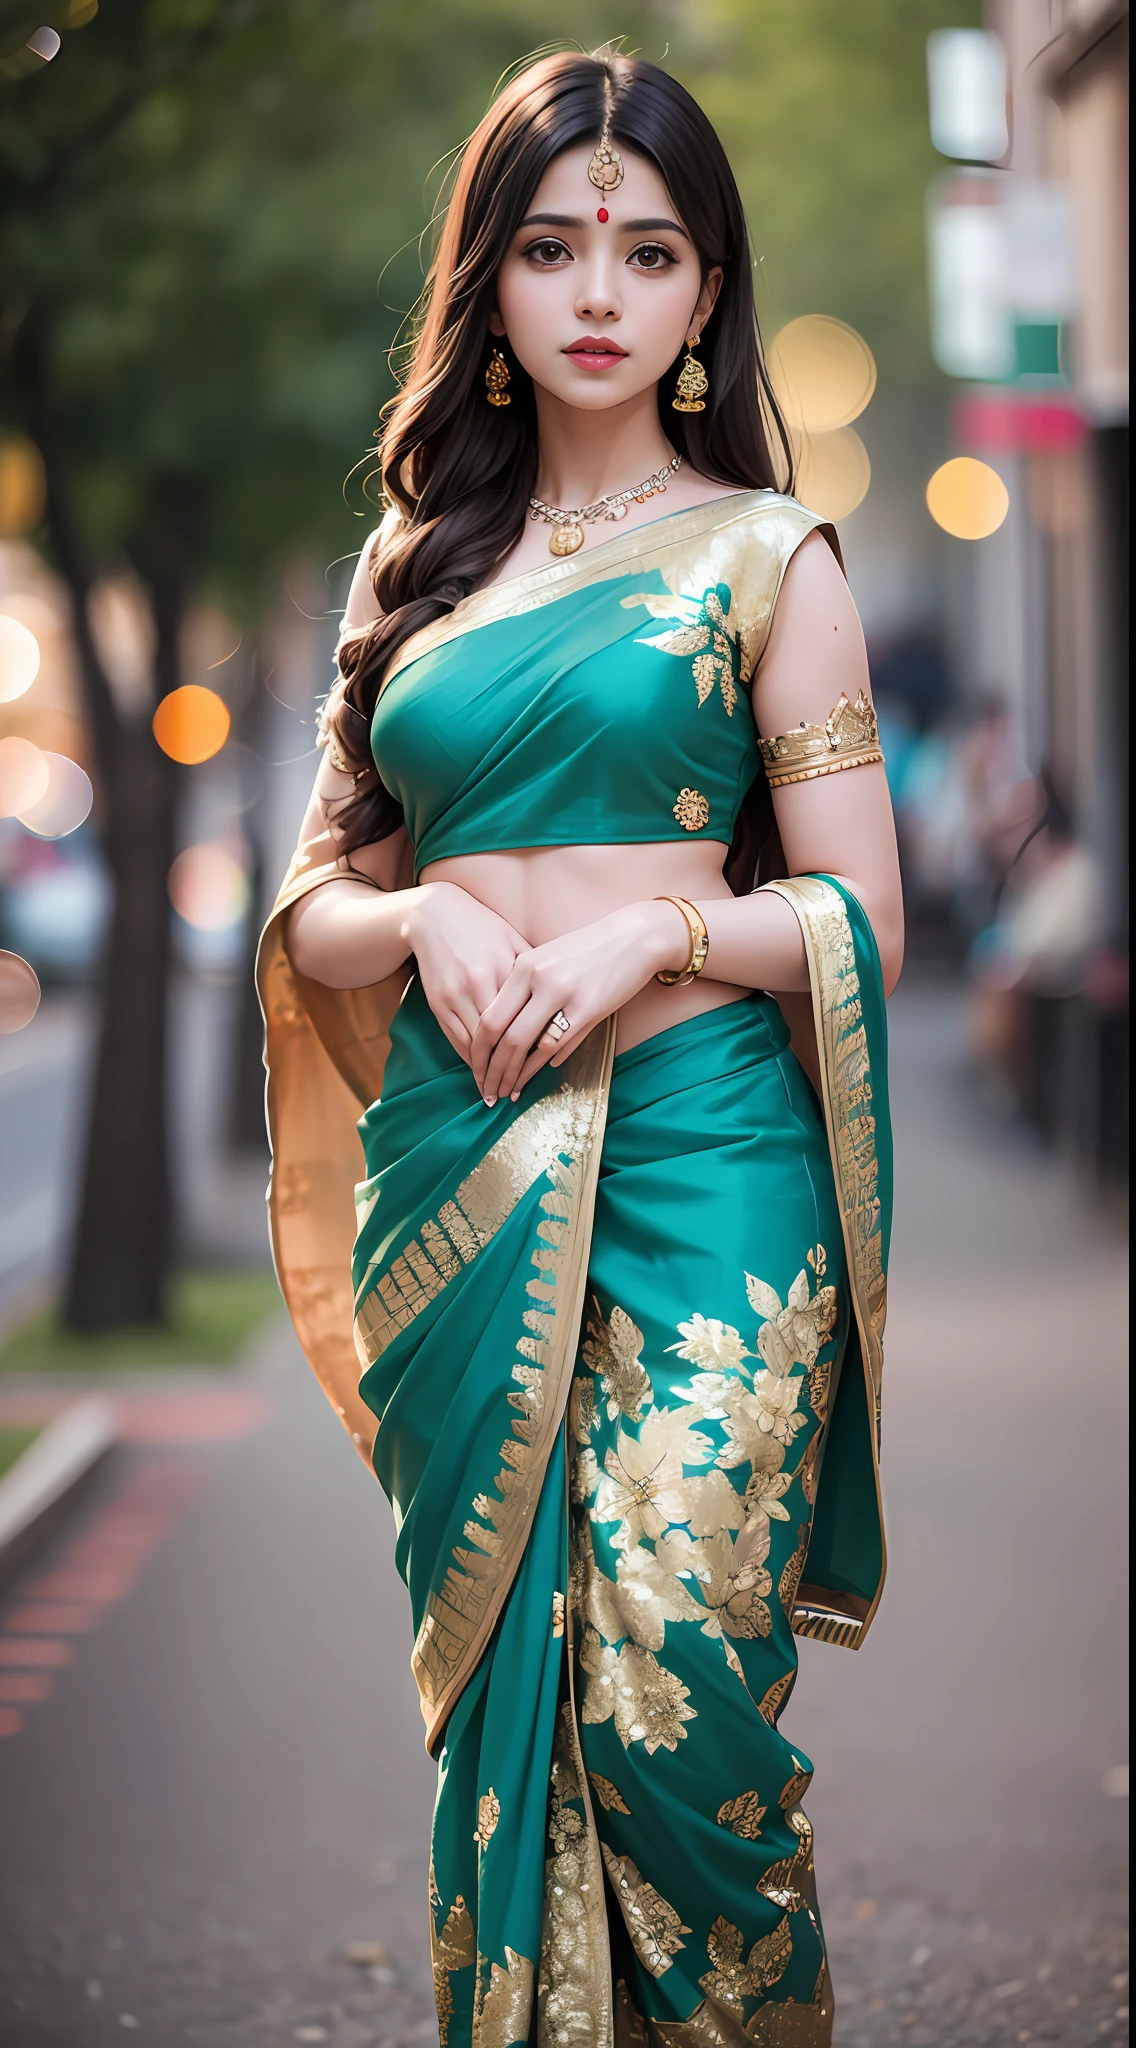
(597, 310)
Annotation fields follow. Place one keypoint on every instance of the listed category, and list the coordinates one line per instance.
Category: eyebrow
(628, 227)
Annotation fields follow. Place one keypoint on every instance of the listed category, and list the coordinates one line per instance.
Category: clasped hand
(494, 995)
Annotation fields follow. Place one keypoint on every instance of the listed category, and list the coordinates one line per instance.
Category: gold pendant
(566, 539)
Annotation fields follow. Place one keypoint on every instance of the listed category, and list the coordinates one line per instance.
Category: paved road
(224, 1789)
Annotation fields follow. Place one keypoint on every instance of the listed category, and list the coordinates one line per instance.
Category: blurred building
(1034, 323)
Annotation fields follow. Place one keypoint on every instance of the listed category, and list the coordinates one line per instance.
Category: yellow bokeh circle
(823, 372)
(832, 472)
(967, 498)
(191, 724)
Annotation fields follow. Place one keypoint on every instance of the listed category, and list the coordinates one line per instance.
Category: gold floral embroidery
(582, 1417)
(730, 1575)
(572, 2000)
(743, 1816)
(647, 1702)
(453, 1949)
(775, 1698)
(797, 1786)
(730, 1979)
(788, 1883)
(703, 631)
(488, 1815)
(609, 1795)
(691, 810)
(791, 1576)
(643, 1487)
(503, 2003)
(654, 1926)
(611, 1350)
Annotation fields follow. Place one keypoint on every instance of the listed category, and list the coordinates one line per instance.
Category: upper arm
(389, 861)
(839, 824)
(362, 607)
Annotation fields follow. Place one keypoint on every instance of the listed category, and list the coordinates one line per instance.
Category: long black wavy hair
(460, 471)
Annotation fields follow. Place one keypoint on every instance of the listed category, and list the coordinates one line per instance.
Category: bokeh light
(833, 472)
(66, 802)
(967, 498)
(19, 992)
(209, 887)
(191, 724)
(19, 658)
(823, 372)
(24, 776)
(22, 485)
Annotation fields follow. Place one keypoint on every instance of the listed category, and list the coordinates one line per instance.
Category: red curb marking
(213, 1416)
(24, 1686)
(84, 1583)
(99, 1567)
(53, 1618)
(28, 1650)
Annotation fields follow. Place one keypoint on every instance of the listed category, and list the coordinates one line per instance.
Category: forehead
(565, 186)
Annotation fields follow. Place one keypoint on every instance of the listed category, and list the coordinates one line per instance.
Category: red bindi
(601, 213)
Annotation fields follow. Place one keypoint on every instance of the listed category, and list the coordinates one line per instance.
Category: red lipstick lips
(595, 352)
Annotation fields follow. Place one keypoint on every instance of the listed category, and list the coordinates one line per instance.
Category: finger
(492, 1026)
(551, 1048)
(511, 1051)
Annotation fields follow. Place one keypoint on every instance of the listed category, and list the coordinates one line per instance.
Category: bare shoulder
(815, 648)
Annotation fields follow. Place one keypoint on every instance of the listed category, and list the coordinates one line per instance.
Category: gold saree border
(846, 1097)
(643, 549)
(325, 1052)
(461, 1615)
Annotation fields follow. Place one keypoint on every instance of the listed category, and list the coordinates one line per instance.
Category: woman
(618, 1269)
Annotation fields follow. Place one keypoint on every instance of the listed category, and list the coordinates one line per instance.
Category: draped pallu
(614, 1353)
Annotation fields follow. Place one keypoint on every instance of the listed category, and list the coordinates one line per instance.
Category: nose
(597, 288)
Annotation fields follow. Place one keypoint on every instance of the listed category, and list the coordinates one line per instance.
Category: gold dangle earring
(693, 383)
(497, 380)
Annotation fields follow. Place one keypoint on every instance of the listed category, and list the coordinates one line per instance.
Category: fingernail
(489, 1101)
(515, 1097)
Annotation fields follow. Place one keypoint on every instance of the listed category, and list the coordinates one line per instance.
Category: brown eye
(652, 256)
(547, 252)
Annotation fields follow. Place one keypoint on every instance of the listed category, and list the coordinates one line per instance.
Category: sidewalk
(225, 1790)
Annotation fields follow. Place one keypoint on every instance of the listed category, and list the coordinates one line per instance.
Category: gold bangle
(672, 977)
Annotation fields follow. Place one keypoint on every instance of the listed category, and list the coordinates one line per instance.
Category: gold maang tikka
(606, 167)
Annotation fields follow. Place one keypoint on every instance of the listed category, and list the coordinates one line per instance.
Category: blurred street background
(214, 1802)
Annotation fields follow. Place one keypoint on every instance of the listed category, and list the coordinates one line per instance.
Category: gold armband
(849, 738)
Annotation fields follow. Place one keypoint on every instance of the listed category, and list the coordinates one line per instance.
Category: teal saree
(620, 1351)
(612, 1348)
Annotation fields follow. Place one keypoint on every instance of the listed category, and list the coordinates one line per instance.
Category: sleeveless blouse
(594, 702)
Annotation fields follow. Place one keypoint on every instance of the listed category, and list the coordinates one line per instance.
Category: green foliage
(13, 1443)
(212, 1311)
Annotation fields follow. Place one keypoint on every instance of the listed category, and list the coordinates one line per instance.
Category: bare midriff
(545, 891)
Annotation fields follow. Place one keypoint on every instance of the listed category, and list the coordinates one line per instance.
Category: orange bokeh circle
(191, 724)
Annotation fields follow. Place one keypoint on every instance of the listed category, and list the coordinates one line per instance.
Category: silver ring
(557, 1026)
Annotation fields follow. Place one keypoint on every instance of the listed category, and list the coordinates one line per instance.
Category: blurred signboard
(966, 87)
(1000, 253)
